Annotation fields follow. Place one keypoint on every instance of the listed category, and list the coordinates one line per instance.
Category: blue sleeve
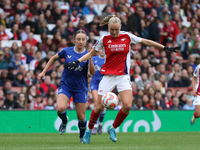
(95, 12)
(11, 64)
(62, 53)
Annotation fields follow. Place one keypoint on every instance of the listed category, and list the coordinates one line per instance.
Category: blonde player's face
(80, 40)
(114, 29)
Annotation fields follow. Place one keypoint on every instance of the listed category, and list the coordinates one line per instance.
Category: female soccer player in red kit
(116, 49)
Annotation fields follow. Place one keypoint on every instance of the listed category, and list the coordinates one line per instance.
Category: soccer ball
(109, 100)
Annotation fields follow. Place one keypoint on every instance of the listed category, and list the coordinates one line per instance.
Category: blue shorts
(94, 85)
(78, 97)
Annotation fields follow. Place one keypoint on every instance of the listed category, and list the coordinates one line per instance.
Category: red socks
(119, 119)
(93, 119)
(195, 115)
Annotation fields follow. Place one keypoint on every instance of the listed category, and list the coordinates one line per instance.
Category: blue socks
(102, 116)
(82, 126)
(63, 116)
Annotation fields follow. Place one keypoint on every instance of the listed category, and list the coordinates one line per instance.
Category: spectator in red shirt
(8, 9)
(15, 32)
(152, 104)
(47, 84)
(30, 40)
(168, 98)
(170, 30)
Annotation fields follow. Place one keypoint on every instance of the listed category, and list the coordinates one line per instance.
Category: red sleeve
(44, 87)
(54, 87)
(176, 31)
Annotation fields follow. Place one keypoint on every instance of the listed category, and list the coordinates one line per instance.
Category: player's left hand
(172, 49)
(71, 65)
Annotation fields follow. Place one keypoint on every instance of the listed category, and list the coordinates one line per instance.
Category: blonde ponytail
(108, 19)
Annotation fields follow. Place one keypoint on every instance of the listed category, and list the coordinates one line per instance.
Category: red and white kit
(117, 61)
(196, 74)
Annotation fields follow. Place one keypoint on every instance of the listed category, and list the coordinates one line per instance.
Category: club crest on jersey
(123, 39)
(109, 41)
(68, 56)
(97, 68)
(79, 68)
(60, 90)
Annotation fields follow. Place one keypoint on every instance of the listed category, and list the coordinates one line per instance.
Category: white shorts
(196, 100)
(109, 82)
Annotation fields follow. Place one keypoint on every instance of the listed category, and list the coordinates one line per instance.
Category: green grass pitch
(126, 141)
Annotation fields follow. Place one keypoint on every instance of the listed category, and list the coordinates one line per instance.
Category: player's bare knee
(197, 113)
(61, 109)
(99, 109)
(81, 117)
(127, 106)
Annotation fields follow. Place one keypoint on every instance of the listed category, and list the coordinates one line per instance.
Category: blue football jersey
(75, 80)
(98, 63)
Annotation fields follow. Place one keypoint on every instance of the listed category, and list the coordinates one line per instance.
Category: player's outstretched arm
(91, 67)
(194, 79)
(49, 64)
(160, 46)
(73, 65)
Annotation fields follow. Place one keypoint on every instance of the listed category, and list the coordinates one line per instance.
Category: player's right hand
(172, 49)
(194, 92)
(40, 76)
(72, 65)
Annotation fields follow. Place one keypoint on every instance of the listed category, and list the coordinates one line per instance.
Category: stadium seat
(6, 43)
(182, 89)
(102, 6)
(96, 8)
(100, 1)
(102, 33)
(50, 26)
(19, 42)
(185, 61)
(50, 36)
(37, 37)
(186, 22)
(16, 89)
(8, 29)
(168, 72)
(89, 18)
(96, 37)
(196, 55)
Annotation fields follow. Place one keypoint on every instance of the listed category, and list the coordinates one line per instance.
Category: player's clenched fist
(40, 76)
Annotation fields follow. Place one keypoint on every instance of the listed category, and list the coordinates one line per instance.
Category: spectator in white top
(5, 34)
(24, 34)
(1, 11)
(34, 62)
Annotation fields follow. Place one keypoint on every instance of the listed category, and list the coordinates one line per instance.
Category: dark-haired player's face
(114, 29)
(80, 40)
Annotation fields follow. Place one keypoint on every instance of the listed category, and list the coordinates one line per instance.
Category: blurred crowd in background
(160, 80)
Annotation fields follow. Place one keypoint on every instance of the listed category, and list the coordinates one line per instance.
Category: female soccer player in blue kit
(73, 82)
(96, 78)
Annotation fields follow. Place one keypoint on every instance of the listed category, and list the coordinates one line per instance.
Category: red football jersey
(116, 52)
